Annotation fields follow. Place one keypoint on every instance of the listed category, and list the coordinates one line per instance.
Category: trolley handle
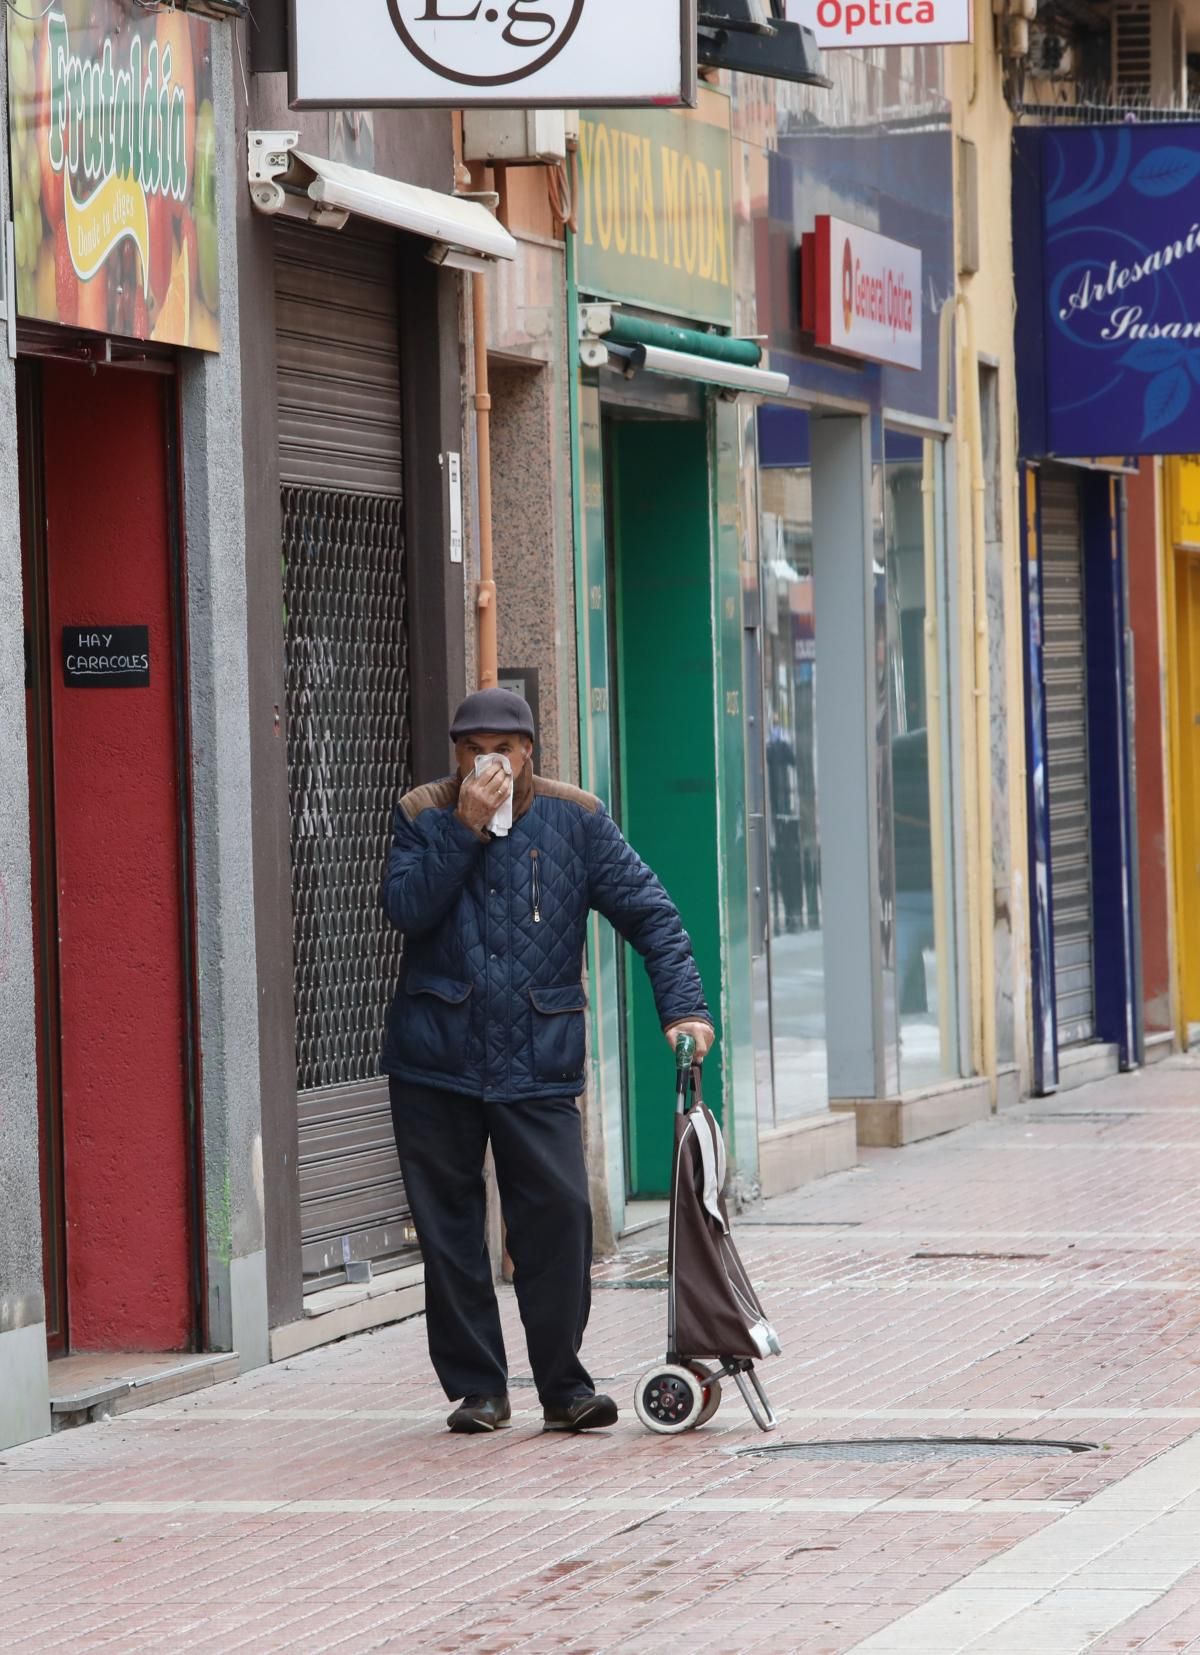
(687, 1075)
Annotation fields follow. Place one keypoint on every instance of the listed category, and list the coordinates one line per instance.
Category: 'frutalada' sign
(571, 54)
(1107, 233)
(838, 23)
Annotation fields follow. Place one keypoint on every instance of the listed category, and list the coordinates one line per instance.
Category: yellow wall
(982, 116)
(1183, 574)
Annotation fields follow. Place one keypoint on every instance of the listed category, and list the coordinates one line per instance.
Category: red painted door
(121, 984)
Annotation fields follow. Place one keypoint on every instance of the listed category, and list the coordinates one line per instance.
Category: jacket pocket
(433, 1034)
(557, 1032)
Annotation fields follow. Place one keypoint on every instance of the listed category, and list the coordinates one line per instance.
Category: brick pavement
(1033, 1278)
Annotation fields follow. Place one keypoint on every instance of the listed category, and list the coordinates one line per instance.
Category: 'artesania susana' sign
(1107, 238)
(113, 149)
(554, 53)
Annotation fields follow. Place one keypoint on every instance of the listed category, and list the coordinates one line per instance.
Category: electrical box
(516, 137)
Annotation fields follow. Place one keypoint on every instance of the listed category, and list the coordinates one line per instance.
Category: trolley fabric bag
(717, 1312)
(713, 1312)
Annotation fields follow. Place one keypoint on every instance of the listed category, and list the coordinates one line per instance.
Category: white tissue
(501, 823)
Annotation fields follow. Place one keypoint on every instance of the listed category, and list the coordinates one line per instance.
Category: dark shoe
(476, 1414)
(582, 1413)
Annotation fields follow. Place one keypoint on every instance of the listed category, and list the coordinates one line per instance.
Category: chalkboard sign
(106, 657)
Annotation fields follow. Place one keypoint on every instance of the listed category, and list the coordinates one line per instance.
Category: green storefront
(657, 451)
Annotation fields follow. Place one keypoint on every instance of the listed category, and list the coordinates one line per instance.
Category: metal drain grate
(917, 1448)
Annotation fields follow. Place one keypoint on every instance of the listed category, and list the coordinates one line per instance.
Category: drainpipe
(981, 882)
(485, 596)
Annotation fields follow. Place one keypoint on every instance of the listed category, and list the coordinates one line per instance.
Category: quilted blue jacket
(490, 1000)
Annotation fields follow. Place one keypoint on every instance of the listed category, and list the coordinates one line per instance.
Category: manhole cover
(917, 1448)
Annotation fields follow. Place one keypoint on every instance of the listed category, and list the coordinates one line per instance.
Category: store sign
(885, 22)
(515, 53)
(113, 150)
(861, 293)
(655, 220)
(1108, 285)
(106, 657)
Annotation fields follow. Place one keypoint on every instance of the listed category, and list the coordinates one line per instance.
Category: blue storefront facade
(1108, 362)
(857, 813)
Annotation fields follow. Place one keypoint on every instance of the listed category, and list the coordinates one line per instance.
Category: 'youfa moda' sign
(861, 293)
(526, 53)
(1107, 233)
(113, 150)
(655, 221)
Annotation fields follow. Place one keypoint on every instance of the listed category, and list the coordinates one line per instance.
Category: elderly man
(486, 1042)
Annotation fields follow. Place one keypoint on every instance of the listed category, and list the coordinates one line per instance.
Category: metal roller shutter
(1067, 758)
(348, 731)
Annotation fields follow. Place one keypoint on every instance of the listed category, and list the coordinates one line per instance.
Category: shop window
(797, 974)
(922, 833)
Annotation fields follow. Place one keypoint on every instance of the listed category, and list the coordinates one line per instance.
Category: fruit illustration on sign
(206, 202)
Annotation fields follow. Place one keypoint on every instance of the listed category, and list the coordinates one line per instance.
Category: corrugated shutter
(1067, 758)
(348, 725)
(339, 359)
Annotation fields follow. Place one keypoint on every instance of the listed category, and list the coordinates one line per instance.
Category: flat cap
(495, 713)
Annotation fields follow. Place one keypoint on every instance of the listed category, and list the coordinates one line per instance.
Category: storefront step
(1081, 1065)
(890, 1123)
(1159, 1047)
(87, 1388)
(337, 1312)
(803, 1150)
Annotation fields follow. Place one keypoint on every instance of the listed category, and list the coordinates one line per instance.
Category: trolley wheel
(669, 1400)
(711, 1386)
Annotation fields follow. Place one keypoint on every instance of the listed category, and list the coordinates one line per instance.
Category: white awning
(656, 359)
(286, 180)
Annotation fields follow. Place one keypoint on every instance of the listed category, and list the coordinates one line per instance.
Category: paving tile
(1030, 1277)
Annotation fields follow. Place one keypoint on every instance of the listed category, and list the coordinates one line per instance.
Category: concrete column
(24, 1397)
(214, 518)
(847, 726)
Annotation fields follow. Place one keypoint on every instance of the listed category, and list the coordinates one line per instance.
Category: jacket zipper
(537, 888)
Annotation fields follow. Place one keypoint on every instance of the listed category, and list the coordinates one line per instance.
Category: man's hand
(701, 1033)
(480, 797)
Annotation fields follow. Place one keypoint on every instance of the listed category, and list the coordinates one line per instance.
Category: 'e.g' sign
(884, 22)
(1107, 232)
(513, 53)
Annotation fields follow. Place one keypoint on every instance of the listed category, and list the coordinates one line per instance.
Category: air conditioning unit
(517, 137)
(1149, 53)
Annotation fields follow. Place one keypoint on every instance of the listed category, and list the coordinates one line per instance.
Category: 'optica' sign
(884, 22)
(861, 293)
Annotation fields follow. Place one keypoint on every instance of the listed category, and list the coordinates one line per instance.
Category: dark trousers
(542, 1177)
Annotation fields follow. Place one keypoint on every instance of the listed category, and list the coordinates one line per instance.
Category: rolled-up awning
(298, 184)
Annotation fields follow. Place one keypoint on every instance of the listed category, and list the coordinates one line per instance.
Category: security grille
(349, 757)
(1067, 758)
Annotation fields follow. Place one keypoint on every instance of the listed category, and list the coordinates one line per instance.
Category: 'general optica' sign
(884, 22)
(861, 293)
(1107, 238)
(511, 53)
